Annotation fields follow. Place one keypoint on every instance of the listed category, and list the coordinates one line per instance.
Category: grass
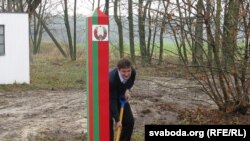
(138, 136)
(50, 70)
(169, 48)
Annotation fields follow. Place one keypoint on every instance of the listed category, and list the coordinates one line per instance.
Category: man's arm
(113, 101)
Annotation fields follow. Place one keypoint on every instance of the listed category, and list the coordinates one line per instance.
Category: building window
(2, 43)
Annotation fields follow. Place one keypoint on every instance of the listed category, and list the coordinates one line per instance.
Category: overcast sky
(84, 7)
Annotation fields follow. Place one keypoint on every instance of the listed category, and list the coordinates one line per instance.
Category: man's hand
(118, 125)
(127, 95)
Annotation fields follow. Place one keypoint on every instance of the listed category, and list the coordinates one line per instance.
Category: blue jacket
(117, 89)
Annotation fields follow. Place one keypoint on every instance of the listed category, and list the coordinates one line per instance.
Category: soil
(61, 114)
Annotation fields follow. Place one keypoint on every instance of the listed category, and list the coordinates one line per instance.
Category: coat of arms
(100, 32)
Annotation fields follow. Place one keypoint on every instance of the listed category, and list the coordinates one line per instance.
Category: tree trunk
(141, 24)
(51, 36)
(230, 33)
(218, 27)
(131, 31)
(38, 29)
(3, 8)
(209, 47)
(74, 48)
(10, 6)
(32, 5)
(98, 3)
(154, 36)
(182, 45)
(163, 26)
(198, 45)
(21, 5)
(149, 33)
(107, 7)
(67, 26)
(34, 41)
(119, 26)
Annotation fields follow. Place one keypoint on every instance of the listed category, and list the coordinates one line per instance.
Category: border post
(98, 76)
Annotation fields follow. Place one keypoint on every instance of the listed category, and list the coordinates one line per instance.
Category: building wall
(14, 65)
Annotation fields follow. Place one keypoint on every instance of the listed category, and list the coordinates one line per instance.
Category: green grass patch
(169, 48)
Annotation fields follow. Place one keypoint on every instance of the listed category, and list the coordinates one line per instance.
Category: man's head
(124, 66)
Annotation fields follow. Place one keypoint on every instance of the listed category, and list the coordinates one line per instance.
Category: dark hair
(124, 63)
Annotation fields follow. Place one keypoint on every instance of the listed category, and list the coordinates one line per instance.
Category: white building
(14, 48)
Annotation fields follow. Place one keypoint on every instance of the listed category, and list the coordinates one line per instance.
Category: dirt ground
(61, 114)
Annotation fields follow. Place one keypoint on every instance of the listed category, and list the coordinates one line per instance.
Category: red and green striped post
(98, 77)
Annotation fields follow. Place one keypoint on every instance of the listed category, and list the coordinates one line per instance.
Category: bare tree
(50, 34)
(36, 35)
(74, 44)
(224, 78)
(106, 9)
(2, 8)
(198, 38)
(28, 6)
(67, 26)
(119, 26)
(149, 20)
(182, 50)
(163, 28)
(229, 43)
(131, 30)
(32, 5)
(142, 10)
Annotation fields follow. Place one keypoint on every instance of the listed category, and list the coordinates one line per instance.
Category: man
(121, 80)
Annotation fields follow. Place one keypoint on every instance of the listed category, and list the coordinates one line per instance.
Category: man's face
(125, 72)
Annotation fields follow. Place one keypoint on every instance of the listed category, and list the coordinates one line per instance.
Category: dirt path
(61, 115)
(158, 100)
(37, 114)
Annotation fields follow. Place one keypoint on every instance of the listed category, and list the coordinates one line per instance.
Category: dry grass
(205, 116)
(50, 70)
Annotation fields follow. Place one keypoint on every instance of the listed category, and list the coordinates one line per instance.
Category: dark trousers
(127, 125)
